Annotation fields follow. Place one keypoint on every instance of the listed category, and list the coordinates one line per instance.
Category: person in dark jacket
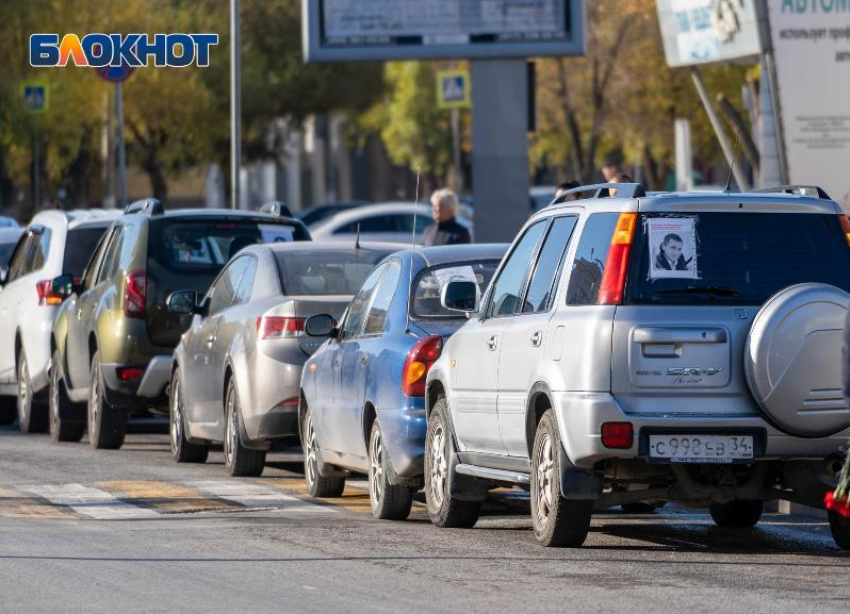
(445, 230)
(670, 255)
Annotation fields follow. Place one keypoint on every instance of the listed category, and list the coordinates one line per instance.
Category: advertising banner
(706, 31)
(811, 46)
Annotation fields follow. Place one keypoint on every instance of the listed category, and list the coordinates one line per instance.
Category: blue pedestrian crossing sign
(36, 97)
(454, 89)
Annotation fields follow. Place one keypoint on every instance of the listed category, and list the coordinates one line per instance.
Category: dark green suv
(113, 338)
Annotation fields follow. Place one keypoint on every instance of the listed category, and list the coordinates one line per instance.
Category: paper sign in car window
(672, 248)
(277, 233)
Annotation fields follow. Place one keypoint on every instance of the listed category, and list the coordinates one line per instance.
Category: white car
(55, 242)
(386, 222)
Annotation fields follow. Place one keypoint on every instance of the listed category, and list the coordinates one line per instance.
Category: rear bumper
(265, 382)
(404, 436)
(149, 390)
(580, 416)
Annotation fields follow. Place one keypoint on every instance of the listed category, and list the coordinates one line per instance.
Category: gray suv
(635, 349)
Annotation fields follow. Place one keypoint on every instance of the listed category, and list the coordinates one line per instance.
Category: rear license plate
(685, 448)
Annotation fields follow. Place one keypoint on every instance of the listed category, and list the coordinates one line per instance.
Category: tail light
(845, 227)
(617, 435)
(418, 363)
(276, 327)
(135, 294)
(130, 374)
(45, 296)
(617, 263)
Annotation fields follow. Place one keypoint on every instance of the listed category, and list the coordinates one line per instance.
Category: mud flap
(579, 484)
(464, 487)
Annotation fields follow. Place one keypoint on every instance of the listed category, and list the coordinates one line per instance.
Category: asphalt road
(130, 531)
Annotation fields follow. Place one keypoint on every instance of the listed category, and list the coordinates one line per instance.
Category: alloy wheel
(376, 468)
(54, 395)
(94, 404)
(311, 466)
(545, 467)
(176, 416)
(23, 390)
(439, 465)
(231, 439)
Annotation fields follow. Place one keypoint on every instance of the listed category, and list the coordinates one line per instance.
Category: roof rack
(146, 206)
(603, 190)
(801, 190)
(276, 207)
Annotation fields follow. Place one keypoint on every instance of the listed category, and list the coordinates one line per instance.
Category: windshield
(317, 272)
(734, 258)
(428, 286)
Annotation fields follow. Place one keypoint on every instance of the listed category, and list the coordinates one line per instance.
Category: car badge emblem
(742, 314)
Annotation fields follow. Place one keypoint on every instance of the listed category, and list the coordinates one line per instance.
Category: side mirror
(320, 326)
(183, 302)
(63, 287)
(460, 296)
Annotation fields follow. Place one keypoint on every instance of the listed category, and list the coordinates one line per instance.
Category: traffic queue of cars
(626, 350)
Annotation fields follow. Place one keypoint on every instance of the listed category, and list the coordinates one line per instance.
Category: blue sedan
(363, 392)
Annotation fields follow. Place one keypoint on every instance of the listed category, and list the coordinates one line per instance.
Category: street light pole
(235, 105)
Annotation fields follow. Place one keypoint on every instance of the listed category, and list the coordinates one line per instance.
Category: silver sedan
(237, 368)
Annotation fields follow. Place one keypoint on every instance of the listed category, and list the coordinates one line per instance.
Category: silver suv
(635, 349)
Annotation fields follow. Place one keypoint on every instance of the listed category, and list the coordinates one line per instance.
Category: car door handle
(336, 364)
(211, 339)
(363, 360)
(492, 343)
(79, 314)
(536, 339)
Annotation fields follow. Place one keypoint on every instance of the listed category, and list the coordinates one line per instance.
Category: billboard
(368, 30)
(811, 48)
(707, 31)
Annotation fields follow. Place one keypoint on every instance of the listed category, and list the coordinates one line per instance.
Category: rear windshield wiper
(694, 289)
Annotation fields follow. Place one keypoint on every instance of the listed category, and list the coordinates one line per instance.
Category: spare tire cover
(793, 359)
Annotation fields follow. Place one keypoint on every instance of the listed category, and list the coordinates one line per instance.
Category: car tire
(8, 410)
(32, 411)
(107, 425)
(558, 522)
(317, 486)
(67, 419)
(840, 528)
(444, 510)
(737, 514)
(238, 460)
(389, 501)
(182, 450)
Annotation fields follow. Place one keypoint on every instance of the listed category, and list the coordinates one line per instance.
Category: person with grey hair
(445, 230)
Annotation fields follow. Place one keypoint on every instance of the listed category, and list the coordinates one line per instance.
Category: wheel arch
(539, 400)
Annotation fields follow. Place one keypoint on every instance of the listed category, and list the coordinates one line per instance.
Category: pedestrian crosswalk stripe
(167, 497)
(13, 505)
(353, 498)
(254, 495)
(91, 502)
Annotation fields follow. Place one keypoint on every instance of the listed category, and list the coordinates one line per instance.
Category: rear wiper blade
(694, 289)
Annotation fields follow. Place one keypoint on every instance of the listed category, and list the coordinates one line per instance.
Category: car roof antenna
(357, 238)
(734, 159)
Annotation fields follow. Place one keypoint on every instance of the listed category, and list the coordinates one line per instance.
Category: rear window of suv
(739, 258)
(188, 253)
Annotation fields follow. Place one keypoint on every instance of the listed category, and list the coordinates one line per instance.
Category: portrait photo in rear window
(672, 253)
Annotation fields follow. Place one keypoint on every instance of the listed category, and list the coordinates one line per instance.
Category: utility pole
(235, 105)
(122, 163)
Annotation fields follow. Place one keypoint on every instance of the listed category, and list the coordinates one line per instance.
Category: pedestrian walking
(445, 230)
